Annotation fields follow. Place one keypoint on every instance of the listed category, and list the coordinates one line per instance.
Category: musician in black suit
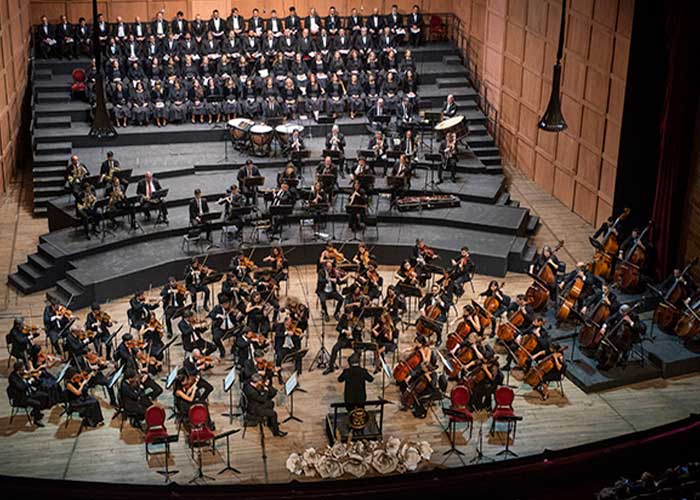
(22, 393)
(358, 198)
(159, 27)
(327, 283)
(354, 23)
(355, 378)
(415, 25)
(256, 23)
(349, 330)
(364, 42)
(198, 208)
(179, 25)
(66, 39)
(120, 30)
(83, 37)
(260, 397)
(145, 188)
(235, 22)
(217, 25)
(132, 396)
(191, 334)
(312, 22)
(45, 38)
(292, 22)
(450, 108)
(223, 321)
(287, 341)
(375, 23)
(245, 172)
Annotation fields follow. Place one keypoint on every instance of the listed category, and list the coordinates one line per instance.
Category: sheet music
(290, 384)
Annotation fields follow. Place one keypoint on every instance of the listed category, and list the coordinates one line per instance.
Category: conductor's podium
(361, 423)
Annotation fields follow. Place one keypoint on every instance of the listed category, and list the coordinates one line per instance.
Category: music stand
(382, 121)
(280, 211)
(292, 356)
(166, 440)
(62, 373)
(115, 377)
(228, 385)
(159, 195)
(322, 357)
(434, 159)
(166, 350)
(227, 435)
(254, 182)
(289, 386)
(386, 372)
(480, 457)
(206, 226)
(170, 380)
(130, 203)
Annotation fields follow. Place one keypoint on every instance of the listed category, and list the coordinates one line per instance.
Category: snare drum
(239, 128)
(284, 132)
(456, 124)
(260, 135)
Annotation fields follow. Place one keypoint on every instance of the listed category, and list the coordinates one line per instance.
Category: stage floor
(105, 455)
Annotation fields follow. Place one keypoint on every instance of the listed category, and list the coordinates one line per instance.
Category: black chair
(252, 421)
(69, 411)
(16, 408)
(134, 419)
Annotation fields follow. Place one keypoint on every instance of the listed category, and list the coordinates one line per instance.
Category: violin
(81, 377)
(155, 326)
(103, 317)
(256, 338)
(64, 312)
(32, 331)
(95, 360)
(428, 253)
(135, 344)
(145, 359)
(336, 254)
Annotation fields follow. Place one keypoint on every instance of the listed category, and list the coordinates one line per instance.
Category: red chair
(503, 412)
(199, 435)
(437, 28)
(458, 413)
(155, 426)
(78, 87)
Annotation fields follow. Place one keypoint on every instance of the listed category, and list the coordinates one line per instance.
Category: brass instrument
(88, 201)
(115, 196)
(77, 173)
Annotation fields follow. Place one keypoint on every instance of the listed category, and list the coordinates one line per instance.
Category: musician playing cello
(427, 369)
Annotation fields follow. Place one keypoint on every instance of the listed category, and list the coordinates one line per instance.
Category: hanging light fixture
(553, 120)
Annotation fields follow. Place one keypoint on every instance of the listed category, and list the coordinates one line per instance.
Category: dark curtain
(676, 132)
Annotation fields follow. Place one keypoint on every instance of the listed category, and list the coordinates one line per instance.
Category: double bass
(538, 293)
(607, 249)
(628, 271)
(591, 324)
(615, 343)
(668, 312)
(572, 295)
(688, 326)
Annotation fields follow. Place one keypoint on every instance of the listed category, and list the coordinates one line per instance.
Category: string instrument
(257, 338)
(181, 289)
(247, 263)
(460, 359)
(688, 325)
(430, 316)
(523, 351)
(103, 317)
(455, 338)
(155, 326)
(591, 324)
(572, 296)
(535, 375)
(135, 344)
(385, 327)
(492, 303)
(628, 271)
(265, 365)
(538, 293)
(616, 342)
(667, 313)
(407, 367)
(485, 317)
(32, 331)
(604, 254)
(81, 377)
(508, 329)
(95, 360)
(64, 312)
(146, 360)
(85, 334)
(479, 373)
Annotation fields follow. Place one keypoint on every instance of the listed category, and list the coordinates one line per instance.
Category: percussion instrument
(456, 124)
(284, 132)
(239, 128)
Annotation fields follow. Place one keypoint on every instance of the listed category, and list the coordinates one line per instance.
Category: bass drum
(239, 128)
(284, 132)
(456, 124)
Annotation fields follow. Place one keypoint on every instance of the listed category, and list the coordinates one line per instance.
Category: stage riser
(305, 254)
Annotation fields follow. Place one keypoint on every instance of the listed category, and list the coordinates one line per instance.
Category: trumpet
(335, 142)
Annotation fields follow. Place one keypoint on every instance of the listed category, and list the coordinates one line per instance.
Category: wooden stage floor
(104, 454)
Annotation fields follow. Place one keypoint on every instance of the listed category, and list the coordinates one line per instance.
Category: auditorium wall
(513, 44)
(690, 235)
(147, 9)
(14, 43)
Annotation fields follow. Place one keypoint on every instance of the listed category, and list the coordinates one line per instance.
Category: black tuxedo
(355, 378)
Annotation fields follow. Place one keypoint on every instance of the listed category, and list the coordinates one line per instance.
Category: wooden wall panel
(579, 165)
(14, 53)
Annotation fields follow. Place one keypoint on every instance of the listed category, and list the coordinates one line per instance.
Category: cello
(628, 271)
(509, 329)
(615, 343)
(538, 292)
(536, 374)
(607, 249)
(428, 321)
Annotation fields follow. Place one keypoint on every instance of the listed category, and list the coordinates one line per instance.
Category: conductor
(355, 378)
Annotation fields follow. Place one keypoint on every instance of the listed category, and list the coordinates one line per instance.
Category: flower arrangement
(360, 458)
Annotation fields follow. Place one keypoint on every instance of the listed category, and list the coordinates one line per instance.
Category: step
(45, 97)
(49, 251)
(50, 160)
(480, 140)
(528, 257)
(452, 60)
(43, 74)
(52, 122)
(49, 181)
(54, 148)
(517, 250)
(532, 223)
(62, 67)
(42, 201)
(485, 151)
(452, 83)
(40, 212)
(491, 160)
(48, 192)
(49, 171)
(40, 261)
(514, 203)
(21, 283)
(77, 110)
(34, 273)
(503, 199)
(70, 287)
